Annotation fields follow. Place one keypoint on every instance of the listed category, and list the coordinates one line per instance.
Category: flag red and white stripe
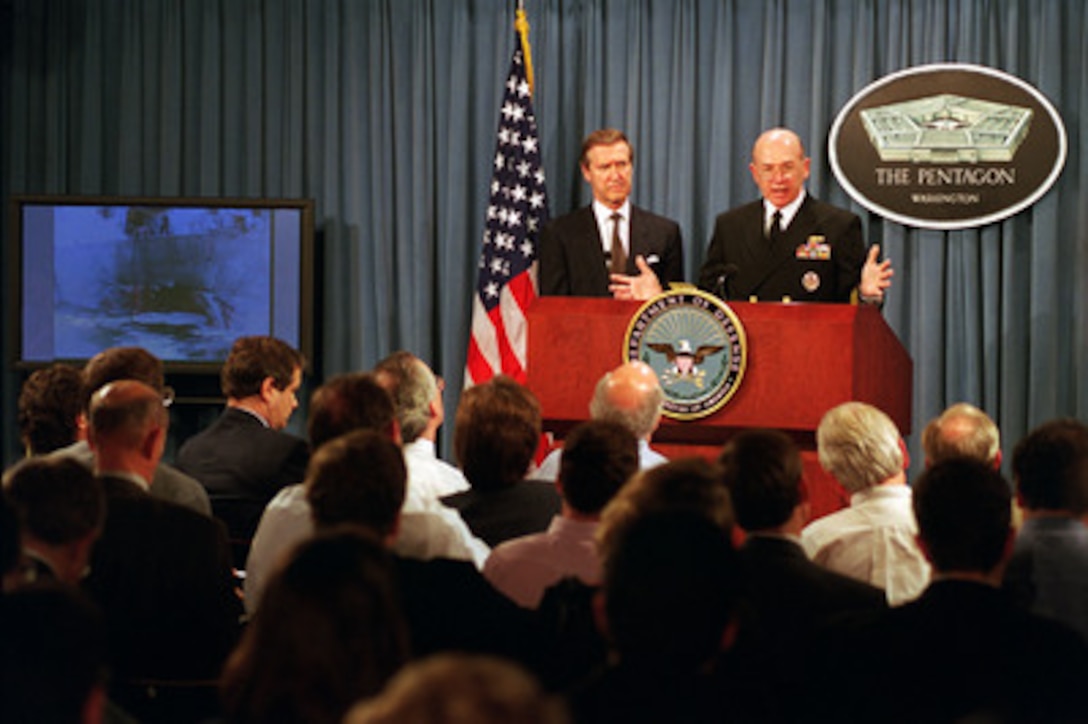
(517, 208)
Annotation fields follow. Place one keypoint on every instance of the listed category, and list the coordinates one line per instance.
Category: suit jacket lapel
(758, 255)
(590, 240)
(639, 240)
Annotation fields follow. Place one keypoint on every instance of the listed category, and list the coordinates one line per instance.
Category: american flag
(518, 207)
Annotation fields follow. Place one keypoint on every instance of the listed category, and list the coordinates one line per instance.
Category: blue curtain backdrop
(384, 112)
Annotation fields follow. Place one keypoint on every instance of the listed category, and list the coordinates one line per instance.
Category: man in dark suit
(244, 458)
(1048, 572)
(61, 508)
(963, 651)
(788, 244)
(790, 598)
(160, 572)
(610, 247)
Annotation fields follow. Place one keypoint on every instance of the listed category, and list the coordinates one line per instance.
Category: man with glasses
(788, 244)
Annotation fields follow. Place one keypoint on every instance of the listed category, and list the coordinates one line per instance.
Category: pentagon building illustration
(947, 128)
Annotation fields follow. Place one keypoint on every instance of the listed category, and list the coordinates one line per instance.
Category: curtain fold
(384, 112)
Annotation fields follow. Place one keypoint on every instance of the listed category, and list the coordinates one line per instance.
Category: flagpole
(522, 26)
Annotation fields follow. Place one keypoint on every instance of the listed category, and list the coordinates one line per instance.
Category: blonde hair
(859, 445)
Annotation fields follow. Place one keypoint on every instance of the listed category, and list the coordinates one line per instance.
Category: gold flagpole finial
(522, 26)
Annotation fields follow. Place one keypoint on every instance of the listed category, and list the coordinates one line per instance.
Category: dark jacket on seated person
(498, 515)
(161, 574)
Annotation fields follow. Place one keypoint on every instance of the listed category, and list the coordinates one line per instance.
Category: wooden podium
(803, 359)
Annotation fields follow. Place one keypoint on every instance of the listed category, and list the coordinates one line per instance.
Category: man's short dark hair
(603, 137)
(964, 511)
(497, 430)
(359, 478)
(670, 589)
(58, 499)
(49, 403)
(254, 359)
(688, 485)
(598, 458)
(121, 363)
(762, 469)
(351, 401)
(1050, 466)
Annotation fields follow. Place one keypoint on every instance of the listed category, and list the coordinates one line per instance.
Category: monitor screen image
(181, 278)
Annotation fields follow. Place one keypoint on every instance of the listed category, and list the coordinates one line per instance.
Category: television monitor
(182, 278)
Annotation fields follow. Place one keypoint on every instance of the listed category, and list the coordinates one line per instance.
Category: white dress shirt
(427, 530)
(873, 541)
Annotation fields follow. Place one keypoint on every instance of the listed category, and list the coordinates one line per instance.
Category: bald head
(631, 396)
(779, 166)
(128, 424)
(962, 430)
(779, 138)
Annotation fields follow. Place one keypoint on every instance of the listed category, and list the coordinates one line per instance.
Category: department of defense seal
(696, 345)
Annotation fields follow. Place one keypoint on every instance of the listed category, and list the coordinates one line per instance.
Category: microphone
(721, 285)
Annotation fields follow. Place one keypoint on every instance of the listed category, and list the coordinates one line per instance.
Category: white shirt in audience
(873, 541)
(430, 475)
(427, 530)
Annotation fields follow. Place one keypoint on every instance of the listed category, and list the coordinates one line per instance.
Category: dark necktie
(774, 234)
(619, 256)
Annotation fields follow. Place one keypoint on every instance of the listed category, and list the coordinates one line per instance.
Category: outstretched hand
(875, 276)
(640, 287)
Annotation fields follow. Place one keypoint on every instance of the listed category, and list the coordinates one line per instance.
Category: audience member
(245, 457)
(330, 631)
(496, 435)
(130, 363)
(417, 398)
(962, 652)
(457, 688)
(669, 605)
(600, 456)
(160, 572)
(688, 484)
(360, 479)
(49, 409)
(1048, 573)
(873, 540)
(962, 430)
(348, 402)
(630, 395)
(576, 646)
(789, 597)
(61, 506)
(53, 657)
